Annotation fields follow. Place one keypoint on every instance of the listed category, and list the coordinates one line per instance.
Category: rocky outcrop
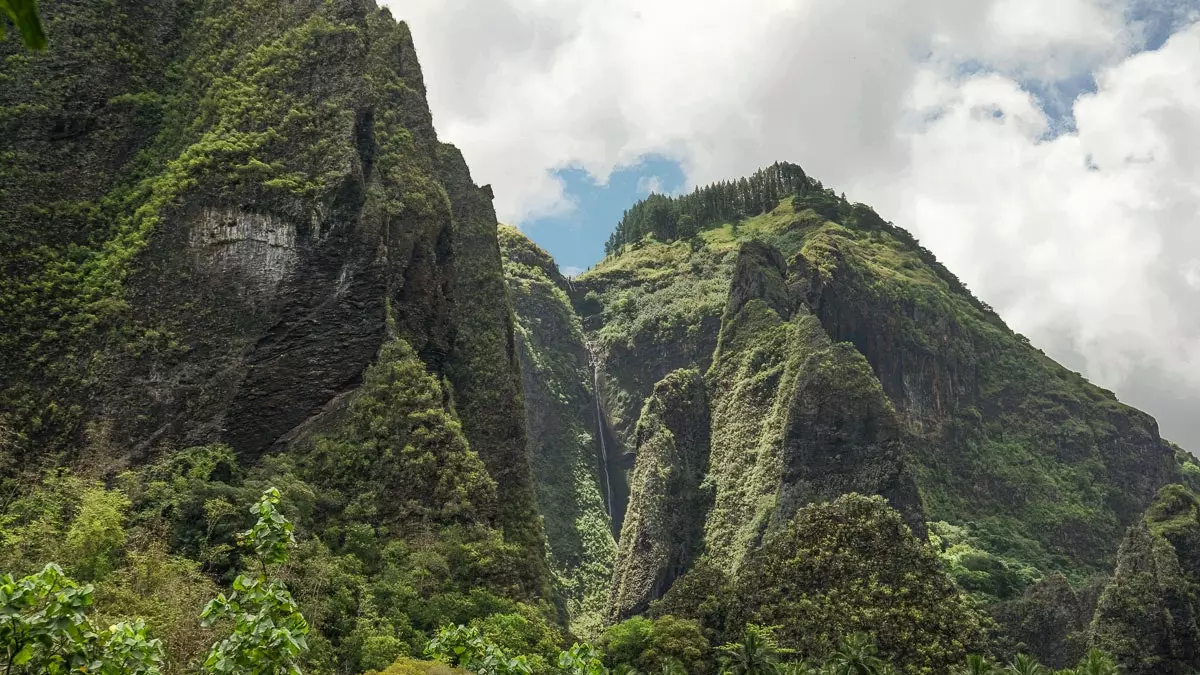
(796, 418)
(1147, 617)
(483, 360)
(839, 356)
(961, 379)
(664, 525)
(1050, 621)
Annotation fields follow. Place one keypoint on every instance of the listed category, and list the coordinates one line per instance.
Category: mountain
(235, 256)
(235, 253)
(840, 356)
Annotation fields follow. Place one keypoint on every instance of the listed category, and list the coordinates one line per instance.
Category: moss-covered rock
(483, 363)
(215, 217)
(664, 526)
(796, 419)
(1147, 616)
(1049, 621)
(1042, 469)
(854, 566)
(1041, 465)
(653, 310)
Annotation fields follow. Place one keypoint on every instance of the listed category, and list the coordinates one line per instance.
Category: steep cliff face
(563, 431)
(235, 254)
(1147, 616)
(215, 216)
(796, 418)
(839, 356)
(985, 406)
(663, 528)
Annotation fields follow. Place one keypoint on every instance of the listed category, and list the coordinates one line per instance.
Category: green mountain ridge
(234, 255)
(1044, 467)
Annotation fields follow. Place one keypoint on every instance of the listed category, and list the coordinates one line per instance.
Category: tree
(1026, 665)
(269, 633)
(24, 15)
(466, 648)
(757, 653)
(1145, 618)
(856, 655)
(45, 629)
(581, 659)
(650, 646)
(977, 665)
(854, 566)
(1096, 663)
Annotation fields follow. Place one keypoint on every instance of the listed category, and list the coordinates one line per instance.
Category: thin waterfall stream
(608, 497)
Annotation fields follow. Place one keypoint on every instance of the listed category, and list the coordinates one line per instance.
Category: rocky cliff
(838, 356)
(232, 226)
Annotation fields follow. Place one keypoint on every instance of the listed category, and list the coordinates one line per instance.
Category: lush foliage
(838, 356)
(853, 566)
(560, 420)
(1148, 616)
(650, 645)
(466, 648)
(269, 632)
(45, 628)
(392, 521)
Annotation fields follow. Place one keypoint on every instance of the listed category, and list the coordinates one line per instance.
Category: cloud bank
(1037, 148)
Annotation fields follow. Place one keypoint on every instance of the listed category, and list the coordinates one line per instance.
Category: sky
(1048, 152)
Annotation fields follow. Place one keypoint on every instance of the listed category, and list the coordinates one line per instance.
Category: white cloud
(934, 111)
(1079, 237)
(571, 271)
(649, 184)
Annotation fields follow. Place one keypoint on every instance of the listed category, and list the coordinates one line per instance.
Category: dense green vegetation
(561, 424)
(47, 630)
(768, 434)
(1030, 467)
(391, 509)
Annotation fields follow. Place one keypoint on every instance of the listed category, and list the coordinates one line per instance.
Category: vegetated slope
(234, 252)
(839, 355)
(560, 417)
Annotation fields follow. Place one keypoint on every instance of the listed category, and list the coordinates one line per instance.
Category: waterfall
(608, 498)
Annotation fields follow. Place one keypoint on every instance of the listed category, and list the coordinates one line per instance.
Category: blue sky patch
(576, 239)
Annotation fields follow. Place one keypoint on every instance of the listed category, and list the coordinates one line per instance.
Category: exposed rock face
(259, 249)
(664, 526)
(254, 207)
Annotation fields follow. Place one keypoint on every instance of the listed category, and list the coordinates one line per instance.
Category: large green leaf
(24, 15)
